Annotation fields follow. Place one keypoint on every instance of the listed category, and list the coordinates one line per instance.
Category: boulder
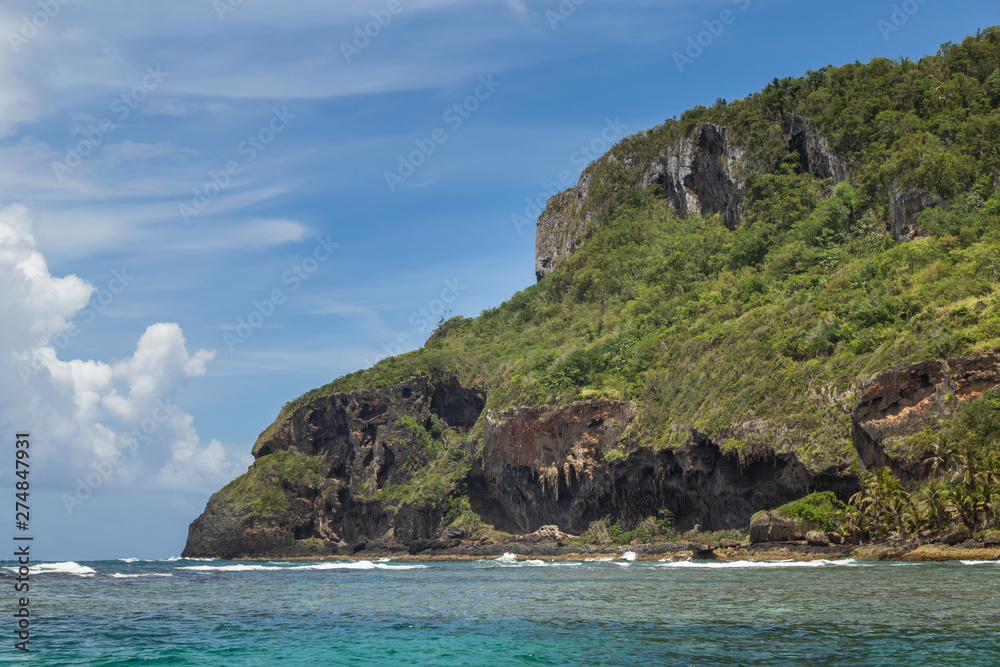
(991, 538)
(546, 534)
(775, 527)
(728, 544)
(817, 539)
(957, 536)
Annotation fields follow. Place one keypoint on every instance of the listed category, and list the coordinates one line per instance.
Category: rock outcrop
(703, 172)
(906, 207)
(334, 456)
(775, 527)
(339, 473)
(331, 477)
(902, 401)
(572, 465)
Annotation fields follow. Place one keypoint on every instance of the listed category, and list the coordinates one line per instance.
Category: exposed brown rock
(902, 401)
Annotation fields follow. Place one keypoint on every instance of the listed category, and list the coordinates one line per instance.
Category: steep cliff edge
(343, 471)
(357, 471)
(703, 171)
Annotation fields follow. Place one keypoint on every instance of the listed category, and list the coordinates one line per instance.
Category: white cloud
(90, 412)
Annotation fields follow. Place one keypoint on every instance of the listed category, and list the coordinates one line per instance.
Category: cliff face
(573, 465)
(357, 470)
(704, 172)
(319, 483)
(900, 402)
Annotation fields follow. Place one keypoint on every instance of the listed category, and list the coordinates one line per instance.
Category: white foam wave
(598, 560)
(68, 567)
(510, 560)
(979, 562)
(332, 565)
(119, 575)
(628, 555)
(130, 560)
(762, 564)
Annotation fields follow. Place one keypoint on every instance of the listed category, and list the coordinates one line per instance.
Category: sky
(209, 207)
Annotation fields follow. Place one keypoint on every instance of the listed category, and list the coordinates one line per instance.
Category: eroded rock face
(814, 152)
(569, 466)
(362, 451)
(704, 172)
(701, 173)
(906, 206)
(902, 401)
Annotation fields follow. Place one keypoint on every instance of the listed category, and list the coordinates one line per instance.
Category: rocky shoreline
(906, 550)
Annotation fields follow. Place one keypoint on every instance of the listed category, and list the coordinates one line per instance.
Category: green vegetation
(774, 322)
(821, 510)
(963, 488)
(262, 489)
(446, 462)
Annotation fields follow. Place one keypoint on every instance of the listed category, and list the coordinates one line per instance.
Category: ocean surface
(501, 612)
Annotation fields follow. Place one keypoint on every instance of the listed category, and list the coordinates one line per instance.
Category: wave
(119, 575)
(67, 567)
(130, 560)
(736, 564)
(332, 565)
(510, 560)
(979, 562)
(606, 559)
(628, 555)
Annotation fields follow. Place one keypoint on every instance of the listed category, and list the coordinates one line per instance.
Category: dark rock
(907, 205)
(991, 538)
(729, 544)
(835, 538)
(547, 466)
(957, 536)
(775, 527)
(817, 539)
(362, 452)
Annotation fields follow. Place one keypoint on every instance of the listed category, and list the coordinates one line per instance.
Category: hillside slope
(736, 308)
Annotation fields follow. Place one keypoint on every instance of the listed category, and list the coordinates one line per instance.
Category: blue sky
(208, 208)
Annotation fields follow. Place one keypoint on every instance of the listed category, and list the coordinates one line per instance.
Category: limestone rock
(775, 527)
(546, 534)
(817, 539)
(907, 205)
(704, 172)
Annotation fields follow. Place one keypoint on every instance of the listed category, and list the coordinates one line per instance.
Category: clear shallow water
(183, 612)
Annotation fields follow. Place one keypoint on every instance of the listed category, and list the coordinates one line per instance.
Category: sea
(504, 611)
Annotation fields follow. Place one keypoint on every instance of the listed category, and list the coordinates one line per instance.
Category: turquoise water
(183, 612)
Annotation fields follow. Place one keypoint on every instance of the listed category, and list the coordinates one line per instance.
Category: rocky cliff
(361, 470)
(704, 171)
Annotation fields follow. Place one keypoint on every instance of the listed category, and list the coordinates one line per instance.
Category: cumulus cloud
(118, 422)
